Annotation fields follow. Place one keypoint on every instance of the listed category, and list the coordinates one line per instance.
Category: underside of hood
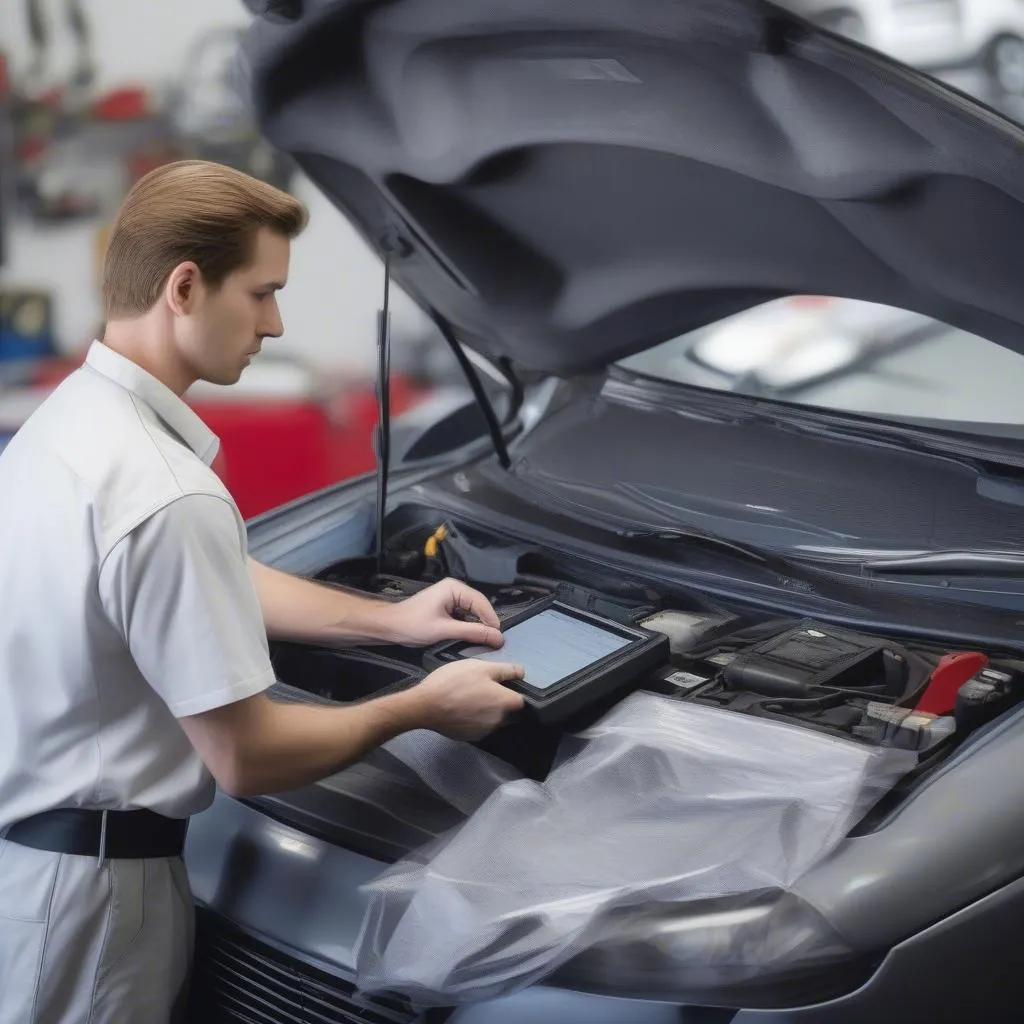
(567, 183)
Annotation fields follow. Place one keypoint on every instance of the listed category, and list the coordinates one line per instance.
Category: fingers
(472, 601)
(513, 702)
(475, 633)
(504, 671)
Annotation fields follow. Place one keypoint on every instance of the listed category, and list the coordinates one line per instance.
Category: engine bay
(759, 687)
(810, 674)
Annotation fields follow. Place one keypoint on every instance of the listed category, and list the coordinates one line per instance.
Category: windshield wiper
(941, 439)
(924, 563)
(690, 535)
(949, 563)
(672, 534)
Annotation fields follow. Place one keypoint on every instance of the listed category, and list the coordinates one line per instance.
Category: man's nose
(273, 327)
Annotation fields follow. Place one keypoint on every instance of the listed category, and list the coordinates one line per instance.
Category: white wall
(334, 290)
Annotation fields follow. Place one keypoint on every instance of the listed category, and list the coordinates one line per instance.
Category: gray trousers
(89, 943)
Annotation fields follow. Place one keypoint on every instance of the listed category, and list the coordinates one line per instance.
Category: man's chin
(225, 379)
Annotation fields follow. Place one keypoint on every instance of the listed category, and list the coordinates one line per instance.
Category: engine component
(952, 671)
(982, 698)
(903, 727)
(813, 655)
(685, 630)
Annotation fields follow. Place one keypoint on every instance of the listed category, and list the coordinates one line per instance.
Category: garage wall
(330, 304)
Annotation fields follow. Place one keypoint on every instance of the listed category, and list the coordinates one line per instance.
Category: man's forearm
(300, 609)
(277, 746)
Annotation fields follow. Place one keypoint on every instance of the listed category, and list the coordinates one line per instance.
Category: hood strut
(473, 378)
(382, 434)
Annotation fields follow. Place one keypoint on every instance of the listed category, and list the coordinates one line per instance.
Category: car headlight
(695, 952)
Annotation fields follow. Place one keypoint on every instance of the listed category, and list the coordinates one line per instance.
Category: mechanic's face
(225, 327)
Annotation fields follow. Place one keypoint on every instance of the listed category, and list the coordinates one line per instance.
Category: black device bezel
(645, 651)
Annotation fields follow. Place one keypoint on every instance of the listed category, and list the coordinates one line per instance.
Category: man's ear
(183, 288)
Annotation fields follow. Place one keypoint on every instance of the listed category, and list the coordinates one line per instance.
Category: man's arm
(179, 592)
(300, 609)
(258, 745)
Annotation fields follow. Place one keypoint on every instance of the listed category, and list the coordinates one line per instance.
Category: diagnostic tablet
(571, 658)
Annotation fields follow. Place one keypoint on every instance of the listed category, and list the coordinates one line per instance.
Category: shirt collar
(175, 413)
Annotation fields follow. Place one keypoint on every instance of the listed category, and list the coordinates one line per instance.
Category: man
(133, 626)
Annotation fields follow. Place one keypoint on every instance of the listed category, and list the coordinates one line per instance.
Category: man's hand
(465, 700)
(300, 609)
(437, 613)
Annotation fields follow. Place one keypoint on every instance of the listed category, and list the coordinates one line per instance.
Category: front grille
(238, 979)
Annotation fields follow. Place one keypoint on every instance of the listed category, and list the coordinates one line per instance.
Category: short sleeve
(178, 590)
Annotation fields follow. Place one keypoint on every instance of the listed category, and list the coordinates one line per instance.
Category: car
(845, 354)
(935, 35)
(564, 187)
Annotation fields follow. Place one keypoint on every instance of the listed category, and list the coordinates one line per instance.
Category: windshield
(854, 357)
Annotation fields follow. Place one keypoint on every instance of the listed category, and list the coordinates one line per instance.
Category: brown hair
(189, 210)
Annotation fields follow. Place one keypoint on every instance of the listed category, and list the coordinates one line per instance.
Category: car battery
(811, 655)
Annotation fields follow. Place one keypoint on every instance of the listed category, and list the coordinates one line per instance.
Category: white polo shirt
(125, 598)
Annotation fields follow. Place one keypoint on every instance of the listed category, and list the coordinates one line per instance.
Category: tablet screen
(551, 646)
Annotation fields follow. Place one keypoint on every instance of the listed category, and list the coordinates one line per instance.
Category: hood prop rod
(473, 379)
(382, 434)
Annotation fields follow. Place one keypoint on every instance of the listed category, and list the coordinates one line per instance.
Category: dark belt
(129, 834)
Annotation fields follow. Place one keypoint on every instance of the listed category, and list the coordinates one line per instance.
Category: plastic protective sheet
(659, 803)
(461, 775)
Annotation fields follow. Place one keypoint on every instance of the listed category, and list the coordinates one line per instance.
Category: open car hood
(568, 183)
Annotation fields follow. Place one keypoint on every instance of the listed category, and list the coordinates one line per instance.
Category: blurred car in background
(849, 355)
(934, 35)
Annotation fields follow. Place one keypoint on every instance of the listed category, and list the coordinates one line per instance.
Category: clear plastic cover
(461, 775)
(659, 804)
